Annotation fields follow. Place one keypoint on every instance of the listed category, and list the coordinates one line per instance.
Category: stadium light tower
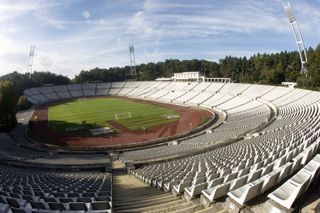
(132, 60)
(298, 36)
(30, 61)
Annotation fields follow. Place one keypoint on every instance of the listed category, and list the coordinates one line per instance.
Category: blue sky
(75, 35)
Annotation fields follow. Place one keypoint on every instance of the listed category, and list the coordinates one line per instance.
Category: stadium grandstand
(240, 134)
(260, 154)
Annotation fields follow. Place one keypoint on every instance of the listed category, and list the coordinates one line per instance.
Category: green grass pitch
(100, 111)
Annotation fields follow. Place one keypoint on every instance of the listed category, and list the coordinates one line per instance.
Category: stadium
(182, 143)
(276, 129)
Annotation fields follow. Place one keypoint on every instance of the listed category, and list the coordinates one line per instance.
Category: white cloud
(45, 20)
(139, 24)
(160, 29)
(86, 14)
(231, 17)
(12, 9)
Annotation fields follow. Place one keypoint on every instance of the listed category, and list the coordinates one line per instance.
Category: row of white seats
(299, 131)
(193, 93)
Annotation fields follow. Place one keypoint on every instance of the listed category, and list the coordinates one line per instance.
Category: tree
(36, 79)
(8, 100)
(260, 68)
(23, 103)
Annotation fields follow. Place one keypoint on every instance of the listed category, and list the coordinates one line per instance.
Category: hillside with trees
(260, 69)
(22, 81)
(8, 100)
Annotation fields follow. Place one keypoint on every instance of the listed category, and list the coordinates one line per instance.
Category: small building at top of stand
(289, 84)
(193, 76)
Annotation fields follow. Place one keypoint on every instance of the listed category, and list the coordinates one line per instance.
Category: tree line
(264, 68)
(11, 93)
(23, 81)
(260, 69)
(8, 100)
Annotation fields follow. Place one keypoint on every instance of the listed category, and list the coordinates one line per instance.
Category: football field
(85, 114)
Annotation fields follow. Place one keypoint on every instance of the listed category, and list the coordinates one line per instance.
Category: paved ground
(23, 117)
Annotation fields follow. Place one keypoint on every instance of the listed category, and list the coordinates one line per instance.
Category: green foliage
(49, 78)
(261, 68)
(104, 75)
(273, 76)
(8, 100)
(23, 103)
(36, 79)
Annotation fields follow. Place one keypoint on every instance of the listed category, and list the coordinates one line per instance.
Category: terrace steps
(132, 195)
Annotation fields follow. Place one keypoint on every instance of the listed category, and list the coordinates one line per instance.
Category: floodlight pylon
(298, 37)
(30, 60)
(132, 60)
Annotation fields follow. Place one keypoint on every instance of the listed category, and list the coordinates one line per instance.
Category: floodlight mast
(298, 37)
(132, 60)
(30, 61)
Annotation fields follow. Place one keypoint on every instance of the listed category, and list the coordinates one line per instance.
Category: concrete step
(132, 195)
(184, 208)
(131, 192)
(212, 209)
(142, 192)
(189, 209)
(157, 208)
(143, 202)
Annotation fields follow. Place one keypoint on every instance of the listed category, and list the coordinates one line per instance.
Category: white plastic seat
(240, 167)
(312, 168)
(246, 192)
(285, 171)
(237, 183)
(180, 187)
(249, 163)
(300, 177)
(296, 164)
(289, 156)
(254, 175)
(225, 172)
(244, 172)
(168, 186)
(270, 181)
(213, 176)
(4, 207)
(307, 155)
(195, 190)
(267, 169)
(216, 192)
(288, 192)
(199, 180)
(215, 182)
(257, 166)
(231, 177)
(317, 158)
(280, 162)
